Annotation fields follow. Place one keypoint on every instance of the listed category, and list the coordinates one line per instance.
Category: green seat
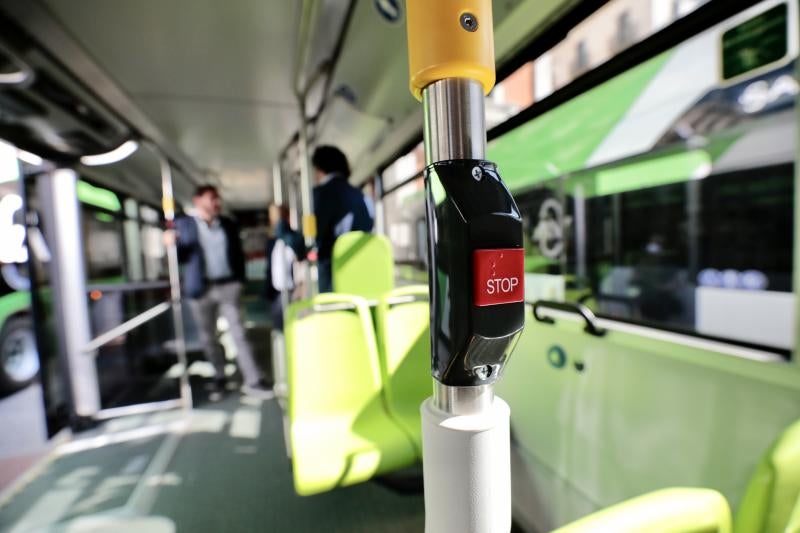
(403, 322)
(676, 510)
(774, 488)
(339, 431)
(771, 503)
(794, 520)
(363, 264)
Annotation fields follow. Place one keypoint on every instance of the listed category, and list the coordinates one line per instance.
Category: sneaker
(216, 389)
(258, 390)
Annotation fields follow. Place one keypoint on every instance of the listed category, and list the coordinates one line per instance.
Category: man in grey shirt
(210, 251)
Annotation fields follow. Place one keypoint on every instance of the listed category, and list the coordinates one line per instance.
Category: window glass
(681, 256)
(155, 254)
(105, 256)
(665, 196)
(613, 28)
(404, 210)
(404, 167)
(755, 43)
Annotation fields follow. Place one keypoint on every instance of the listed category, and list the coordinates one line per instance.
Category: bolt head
(469, 22)
(477, 173)
(483, 372)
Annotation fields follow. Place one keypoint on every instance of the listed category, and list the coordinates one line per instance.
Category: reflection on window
(614, 27)
(680, 255)
(406, 228)
(625, 30)
(103, 244)
(404, 167)
(581, 58)
(663, 203)
(155, 254)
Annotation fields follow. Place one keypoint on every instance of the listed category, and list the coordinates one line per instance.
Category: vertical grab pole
(276, 337)
(306, 193)
(168, 205)
(60, 210)
(277, 182)
(474, 243)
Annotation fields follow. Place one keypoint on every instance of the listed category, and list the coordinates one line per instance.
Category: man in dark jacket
(210, 251)
(338, 206)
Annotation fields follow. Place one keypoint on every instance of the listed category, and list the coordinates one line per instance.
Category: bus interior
(650, 149)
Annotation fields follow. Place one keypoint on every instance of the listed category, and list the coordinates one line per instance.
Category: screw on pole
(469, 22)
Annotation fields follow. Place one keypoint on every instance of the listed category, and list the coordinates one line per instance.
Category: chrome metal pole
(455, 128)
(277, 183)
(306, 193)
(168, 204)
(455, 124)
(60, 211)
(380, 216)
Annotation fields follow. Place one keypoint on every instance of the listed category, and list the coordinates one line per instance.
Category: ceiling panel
(215, 78)
(203, 48)
(373, 71)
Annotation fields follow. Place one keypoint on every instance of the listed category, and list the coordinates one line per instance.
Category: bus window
(676, 256)
(155, 254)
(754, 43)
(105, 257)
(676, 205)
(404, 210)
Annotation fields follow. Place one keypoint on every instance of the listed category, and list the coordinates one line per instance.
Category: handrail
(327, 308)
(125, 327)
(406, 299)
(627, 301)
(128, 286)
(588, 316)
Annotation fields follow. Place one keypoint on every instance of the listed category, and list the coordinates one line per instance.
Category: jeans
(325, 275)
(223, 300)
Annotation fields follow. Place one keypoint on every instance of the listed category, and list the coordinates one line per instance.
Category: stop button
(498, 276)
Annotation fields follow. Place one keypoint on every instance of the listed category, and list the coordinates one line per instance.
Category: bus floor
(219, 467)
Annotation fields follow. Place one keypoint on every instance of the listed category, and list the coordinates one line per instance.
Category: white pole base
(467, 469)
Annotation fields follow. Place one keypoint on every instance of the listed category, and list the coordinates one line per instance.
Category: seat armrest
(674, 510)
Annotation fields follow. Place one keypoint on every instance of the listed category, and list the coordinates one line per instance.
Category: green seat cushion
(363, 264)
(675, 510)
(774, 488)
(403, 320)
(339, 430)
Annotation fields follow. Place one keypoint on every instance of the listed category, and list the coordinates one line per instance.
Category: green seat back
(774, 488)
(794, 520)
(363, 264)
(340, 433)
(403, 321)
(676, 510)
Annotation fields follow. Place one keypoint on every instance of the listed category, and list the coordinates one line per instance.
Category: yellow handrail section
(450, 39)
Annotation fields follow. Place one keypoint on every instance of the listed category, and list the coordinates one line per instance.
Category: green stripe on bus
(564, 138)
(13, 303)
(673, 168)
(98, 197)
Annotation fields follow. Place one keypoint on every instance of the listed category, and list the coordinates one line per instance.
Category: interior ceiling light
(114, 156)
(14, 78)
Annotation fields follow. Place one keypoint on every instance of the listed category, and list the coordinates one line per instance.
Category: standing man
(338, 206)
(210, 249)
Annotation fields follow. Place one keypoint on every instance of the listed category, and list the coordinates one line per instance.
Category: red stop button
(498, 276)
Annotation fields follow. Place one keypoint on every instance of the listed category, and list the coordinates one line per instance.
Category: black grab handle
(591, 321)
